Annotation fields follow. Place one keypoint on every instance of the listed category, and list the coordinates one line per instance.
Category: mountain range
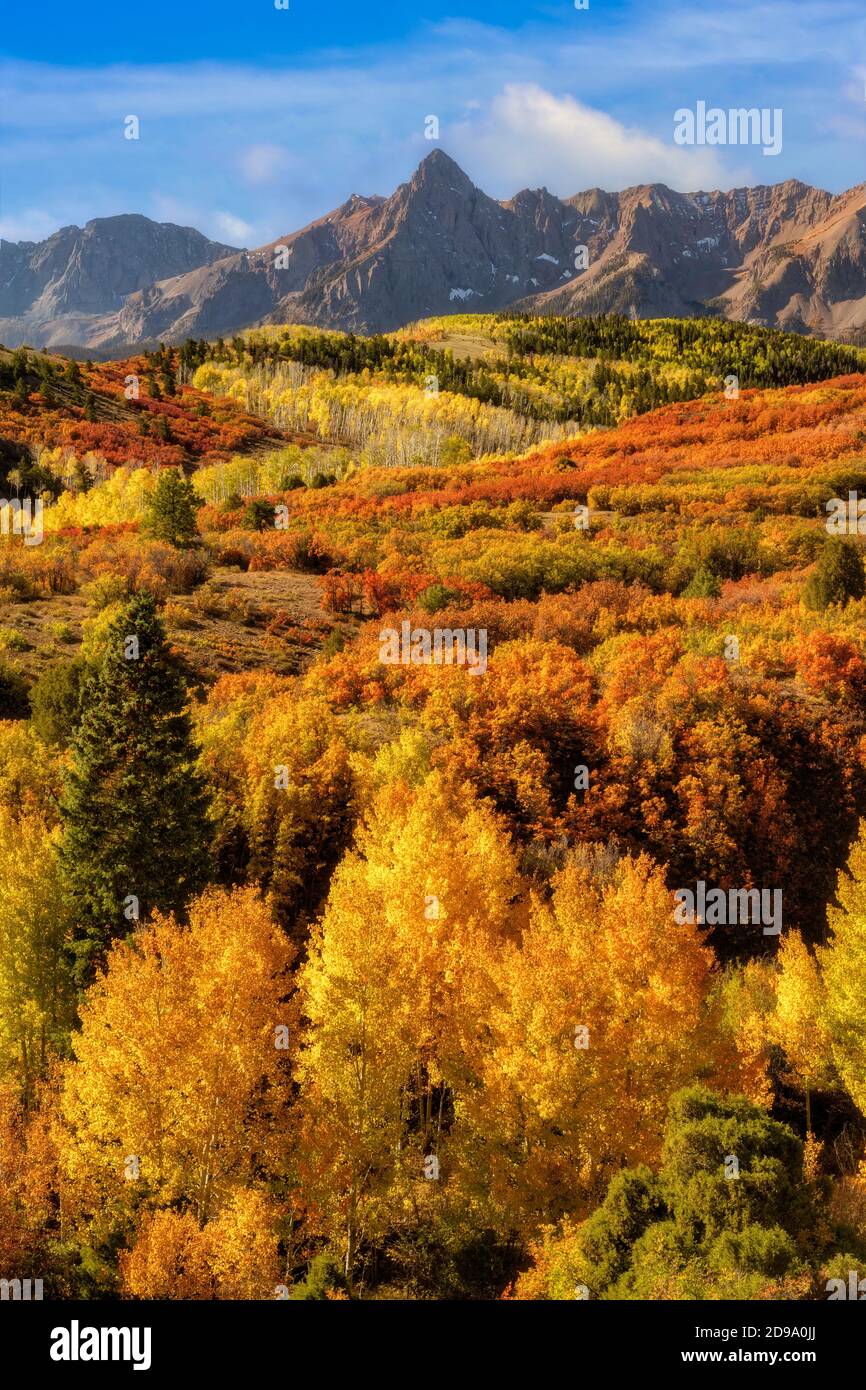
(783, 255)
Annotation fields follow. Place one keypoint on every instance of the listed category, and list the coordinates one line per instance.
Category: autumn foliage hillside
(109, 413)
(431, 909)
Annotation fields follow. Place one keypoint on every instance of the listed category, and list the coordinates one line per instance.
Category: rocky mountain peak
(787, 255)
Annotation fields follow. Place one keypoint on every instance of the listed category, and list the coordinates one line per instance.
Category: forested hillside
(433, 815)
(572, 373)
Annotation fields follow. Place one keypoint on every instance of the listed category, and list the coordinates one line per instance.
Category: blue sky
(255, 120)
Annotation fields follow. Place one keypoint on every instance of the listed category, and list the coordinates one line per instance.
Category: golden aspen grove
(415, 982)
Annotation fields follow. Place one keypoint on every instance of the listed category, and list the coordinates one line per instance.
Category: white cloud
(219, 225)
(234, 229)
(528, 136)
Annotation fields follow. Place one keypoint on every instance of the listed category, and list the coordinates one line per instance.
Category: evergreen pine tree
(171, 514)
(134, 808)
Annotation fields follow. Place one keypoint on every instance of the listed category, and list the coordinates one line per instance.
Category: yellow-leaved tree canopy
(179, 1091)
(397, 992)
(843, 968)
(36, 1007)
(601, 1014)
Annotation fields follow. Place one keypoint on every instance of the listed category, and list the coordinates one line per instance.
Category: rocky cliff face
(785, 255)
(81, 276)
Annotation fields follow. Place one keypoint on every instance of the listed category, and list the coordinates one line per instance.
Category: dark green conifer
(837, 577)
(171, 513)
(134, 808)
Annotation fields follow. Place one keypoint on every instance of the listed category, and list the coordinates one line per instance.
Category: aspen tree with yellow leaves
(800, 1024)
(298, 801)
(395, 424)
(233, 1256)
(179, 1088)
(600, 1017)
(397, 994)
(843, 969)
(36, 995)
